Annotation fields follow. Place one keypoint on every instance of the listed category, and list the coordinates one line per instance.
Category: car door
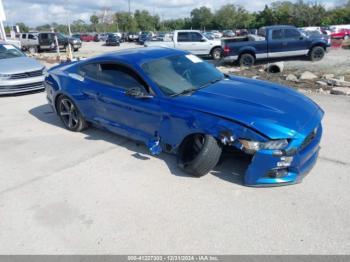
(200, 45)
(184, 41)
(137, 118)
(297, 44)
(287, 42)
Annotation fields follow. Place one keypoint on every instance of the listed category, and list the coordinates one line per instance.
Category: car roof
(278, 27)
(138, 56)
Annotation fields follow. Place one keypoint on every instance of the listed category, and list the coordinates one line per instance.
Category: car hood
(273, 110)
(19, 65)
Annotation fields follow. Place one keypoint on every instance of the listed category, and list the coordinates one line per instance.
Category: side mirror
(203, 40)
(137, 93)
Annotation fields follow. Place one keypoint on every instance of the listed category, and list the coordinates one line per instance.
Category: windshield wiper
(192, 90)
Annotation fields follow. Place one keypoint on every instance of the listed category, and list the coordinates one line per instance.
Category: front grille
(27, 74)
(307, 141)
(24, 86)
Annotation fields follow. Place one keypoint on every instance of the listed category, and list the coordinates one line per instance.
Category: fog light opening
(278, 173)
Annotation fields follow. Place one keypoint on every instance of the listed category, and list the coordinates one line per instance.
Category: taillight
(227, 50)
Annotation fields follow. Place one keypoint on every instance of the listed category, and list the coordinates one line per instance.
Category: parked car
(97, 38)
(29, 41)
(145, 36)
(86, 37)
(175, 102)
(46, 41)
(228, 33)
(76, 36)
(113, 40)
(133, 36)
(276, 42)
(340, 33)
(209, 35)
(193, 41)
(216, 33)
(103, 37)
(19, 73)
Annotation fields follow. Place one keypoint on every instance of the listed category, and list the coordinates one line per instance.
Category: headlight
(4, 77)
(253, 146)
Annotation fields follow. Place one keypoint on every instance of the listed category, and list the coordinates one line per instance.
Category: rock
(337, 82)
(341, 78)
(308, 76)
(321, 83)
(255, 77)
(340, 91)
(328, 76)
(304, 91)
(292, 78)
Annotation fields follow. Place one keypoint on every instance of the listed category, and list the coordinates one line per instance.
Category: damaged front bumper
(269, 169)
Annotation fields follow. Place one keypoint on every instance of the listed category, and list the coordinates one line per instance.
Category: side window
(89, 71)
(44, 36)
(196, 37)
(23, 36)
(277, 34)
(183, 37)
(120, 76)
(291, 34)
(32, 37)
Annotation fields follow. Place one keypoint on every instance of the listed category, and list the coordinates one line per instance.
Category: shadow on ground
(231, 166)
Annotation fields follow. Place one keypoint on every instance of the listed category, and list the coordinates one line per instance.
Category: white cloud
(37, 12)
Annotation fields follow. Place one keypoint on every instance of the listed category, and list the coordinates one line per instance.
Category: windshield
(180, 73)
(9, 51)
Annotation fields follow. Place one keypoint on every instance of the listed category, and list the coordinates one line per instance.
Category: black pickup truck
(274, 42)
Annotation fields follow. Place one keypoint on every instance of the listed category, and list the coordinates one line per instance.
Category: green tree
(23, 28)
(233, 17)
(202, 18)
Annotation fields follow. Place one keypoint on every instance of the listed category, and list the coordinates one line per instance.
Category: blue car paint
(252, 109)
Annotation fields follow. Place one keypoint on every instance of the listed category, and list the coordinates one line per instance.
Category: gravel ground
(99, 193)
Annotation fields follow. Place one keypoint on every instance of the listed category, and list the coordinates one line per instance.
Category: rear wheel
(33, 49)
(246, 60)
(317, 53)
(70, 115)
(216, 53)
(198, 154)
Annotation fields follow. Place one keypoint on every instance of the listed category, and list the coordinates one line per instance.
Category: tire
(33, 49)
(317, 53)
(199, 154)
(216, 53)
(76, 49)
(70, 115)
(246, 60)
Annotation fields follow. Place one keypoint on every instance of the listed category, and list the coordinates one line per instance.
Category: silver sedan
(19, 73)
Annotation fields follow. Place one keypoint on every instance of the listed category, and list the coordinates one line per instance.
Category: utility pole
(129, 7)
(2, 19)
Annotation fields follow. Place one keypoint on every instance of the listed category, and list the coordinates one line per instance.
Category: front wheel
(246, 60)
(317, 53)
(216, 53)
(70, 115)
(198, 154)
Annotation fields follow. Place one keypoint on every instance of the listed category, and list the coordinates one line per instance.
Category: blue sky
(36, 12)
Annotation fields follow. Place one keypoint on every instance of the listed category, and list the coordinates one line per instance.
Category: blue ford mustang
(173, 101)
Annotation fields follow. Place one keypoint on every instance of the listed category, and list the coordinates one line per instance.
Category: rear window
(183, 37)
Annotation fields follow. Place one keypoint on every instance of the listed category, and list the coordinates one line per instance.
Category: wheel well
(211, 51)
(56, 101)
(247, 52)
(320, 45)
